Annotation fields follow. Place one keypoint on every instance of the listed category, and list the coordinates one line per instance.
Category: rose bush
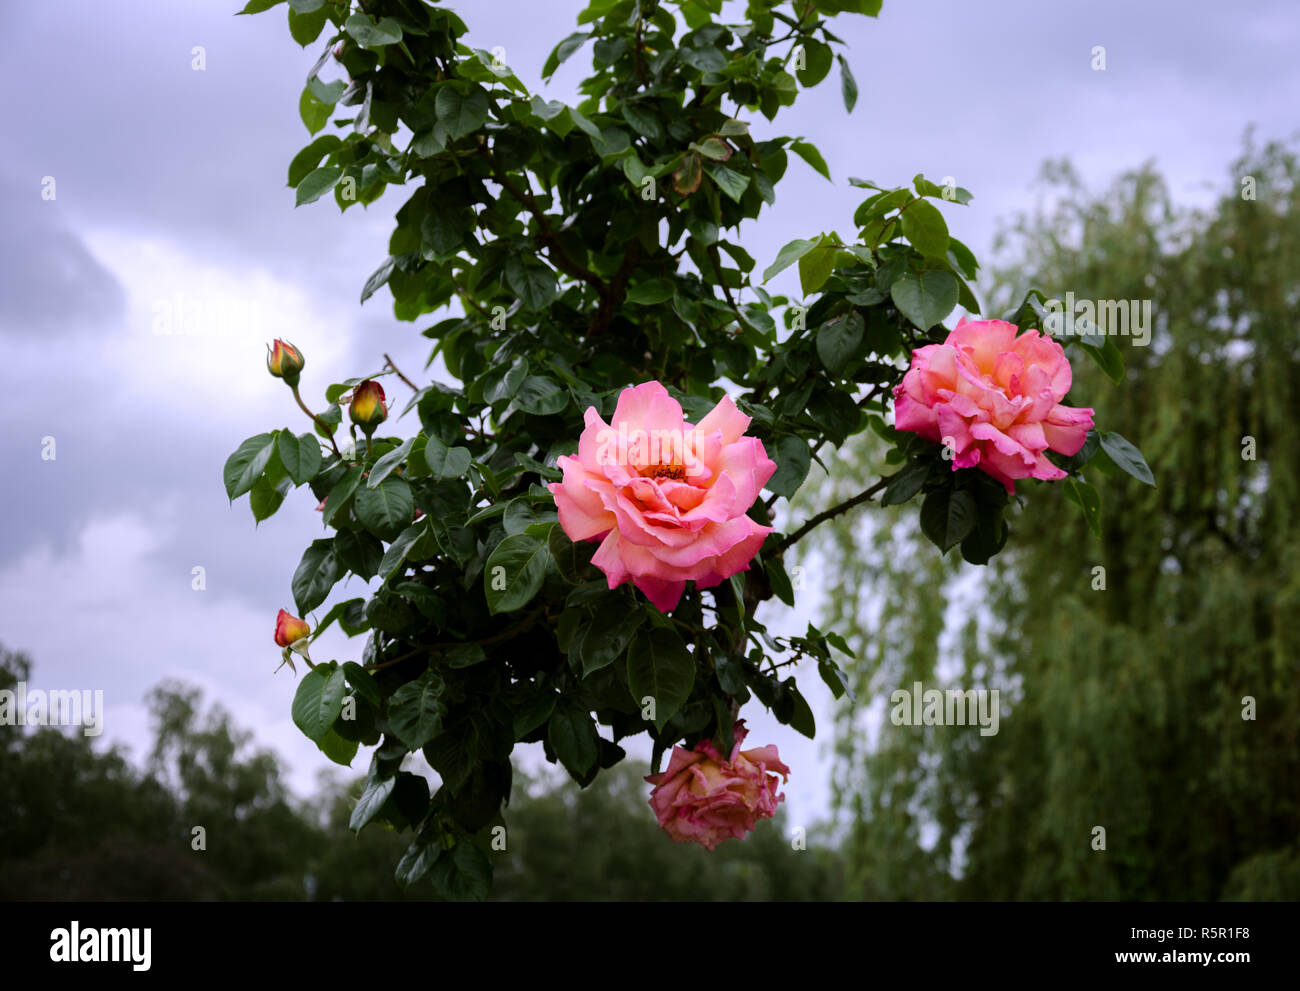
(583, 261)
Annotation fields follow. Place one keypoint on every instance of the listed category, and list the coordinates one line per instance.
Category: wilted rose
(705, 798)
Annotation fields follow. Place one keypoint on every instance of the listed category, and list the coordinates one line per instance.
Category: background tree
(1129, 706)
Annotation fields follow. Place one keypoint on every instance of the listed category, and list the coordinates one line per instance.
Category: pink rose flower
(666, 500)
(996, 398)
(705, 798)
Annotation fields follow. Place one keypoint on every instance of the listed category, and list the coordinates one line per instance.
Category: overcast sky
(170, 194)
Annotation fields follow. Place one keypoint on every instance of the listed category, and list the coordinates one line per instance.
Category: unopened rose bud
(368, 410)
(284, 361)
(289, 629)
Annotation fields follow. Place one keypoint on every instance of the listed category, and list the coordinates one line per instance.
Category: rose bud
(284, 361)
(289, 629)
(368, 410)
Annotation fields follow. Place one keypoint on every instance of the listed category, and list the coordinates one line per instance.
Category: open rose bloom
(996, 398)
(667, 500)
(703, 797)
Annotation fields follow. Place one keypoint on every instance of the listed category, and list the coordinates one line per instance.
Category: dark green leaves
(540, 395)
(530, 280)
(839, 339)
(562, 51)
(369, 34)
(444, 461)
(1127, 457)
(415, 711)
(318, 701)
(514, 572)
(848, 85)
(317, 572)
(386, 509)
(317, 183)
(925, 227)
(947, 516)
(925, 298)
(792, 459)
(246, 465)
(372, 799)
(572, 736)
(660, 670)
(300, 456)
(462, 109)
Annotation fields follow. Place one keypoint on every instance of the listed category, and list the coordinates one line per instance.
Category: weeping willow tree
(1148, 677)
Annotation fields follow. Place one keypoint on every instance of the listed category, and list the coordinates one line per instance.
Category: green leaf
(809, 153)
(1108, 357)
(729, 181)
(316, 574)
(541, 396)
(848, 85)
(264, 498)
(661, 668)
(415, 711)
(530, 280)
(792, 459)
(947, 517)
(1127, 457)
(463, 873)
(816, 266)
(341, 492)
(305, 27)
(1088, 500)
(338, 749)
(314, 114)
(307, 159)
(925, 298)
(386, 509)
(444, 461)
(317, 183)
(418, 860)
(257, 6)
(651, 292)
(514, 572)
(372, 799)
(610, 632)
(368, 34)
(839, 339)
(300, 456)
(925, 227)
(787, 256)
(385, 465)
(461, 113)
(377, 278)
(801, 715)
(318, 701)
(562, 51)
(246, 465)
(817, 63)
(397, 551)
(573, 738)
(363, 682)
(905, 483)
